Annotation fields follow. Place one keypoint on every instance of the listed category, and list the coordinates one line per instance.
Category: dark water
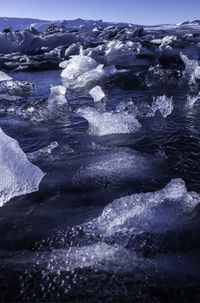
(38, 229)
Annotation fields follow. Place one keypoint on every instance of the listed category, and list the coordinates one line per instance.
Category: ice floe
(107, 123)
(158, 211)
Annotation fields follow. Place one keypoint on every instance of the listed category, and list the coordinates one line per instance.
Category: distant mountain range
(23, 23)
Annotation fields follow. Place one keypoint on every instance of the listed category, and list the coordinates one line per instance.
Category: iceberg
(18, 175)
(97, 93)
(163, 104)
(107, 123)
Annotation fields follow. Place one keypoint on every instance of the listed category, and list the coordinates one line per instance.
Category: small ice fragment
(97, 93)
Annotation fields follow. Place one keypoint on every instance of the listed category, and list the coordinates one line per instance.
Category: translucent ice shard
(192, 68)
(97, 93)
(19, 176)
(192, 99)
(163, 104)
(4, 76)
(57, 96)
(107, 123)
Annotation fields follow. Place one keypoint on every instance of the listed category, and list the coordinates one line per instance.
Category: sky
(145, 12)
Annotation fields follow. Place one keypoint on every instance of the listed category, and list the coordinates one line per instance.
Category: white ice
(107, 123)
(164, 42)
(18, 175)
(82, 71)
(97, 93)
(163, 104)
(77, 66)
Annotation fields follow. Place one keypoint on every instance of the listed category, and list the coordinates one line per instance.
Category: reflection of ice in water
(115, 166)
(19, 176)
(163, 104)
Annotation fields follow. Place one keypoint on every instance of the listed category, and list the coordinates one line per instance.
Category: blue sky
(135, 11)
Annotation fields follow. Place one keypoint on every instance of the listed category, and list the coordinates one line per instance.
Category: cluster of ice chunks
(122, 54)
(18, 175)
(159, 211)
(80, 71)
(163, 104)
(107, 123)
(11, 90)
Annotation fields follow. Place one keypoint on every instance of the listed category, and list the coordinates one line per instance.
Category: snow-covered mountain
(18, 23)
(23, 23)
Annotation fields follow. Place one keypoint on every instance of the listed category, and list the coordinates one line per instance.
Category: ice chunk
(192, 68)
(120, 53)
(4, 77)
(18, 175)
(77, 66)
(164, 41)
(157, 211)
(107, 123)
(97, 93)
(81, 71)
(163, 104)
(57, 96)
